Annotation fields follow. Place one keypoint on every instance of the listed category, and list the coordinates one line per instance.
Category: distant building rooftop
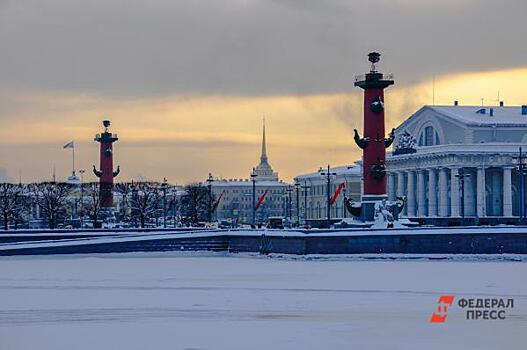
(352, 170)
(481, 115)
(247, 182)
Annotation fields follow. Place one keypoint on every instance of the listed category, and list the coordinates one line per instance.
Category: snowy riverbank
(219, 301)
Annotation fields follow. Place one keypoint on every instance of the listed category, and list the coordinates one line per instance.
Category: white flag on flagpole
(69, 145)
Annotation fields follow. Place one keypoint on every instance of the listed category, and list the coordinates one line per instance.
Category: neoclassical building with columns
(454, 160)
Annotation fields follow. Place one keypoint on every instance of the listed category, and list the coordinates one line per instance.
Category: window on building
(429, 137)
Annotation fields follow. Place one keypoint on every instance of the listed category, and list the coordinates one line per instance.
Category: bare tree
(143, 201)
(125, 190)
(195, 203)
(23, 201)
(52, 198)
(172, 207)
(92, 204)
(11, 203)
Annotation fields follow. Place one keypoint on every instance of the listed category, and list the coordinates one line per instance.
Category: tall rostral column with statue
(374, 142)
(106, 172)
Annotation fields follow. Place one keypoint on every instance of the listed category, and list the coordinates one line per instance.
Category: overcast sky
(64, 64)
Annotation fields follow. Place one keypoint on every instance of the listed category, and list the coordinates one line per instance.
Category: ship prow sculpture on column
(374, 208)
(106, 173)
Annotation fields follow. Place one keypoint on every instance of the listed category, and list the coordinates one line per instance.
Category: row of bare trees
(138, 204)
(12, 203)
(141, 201)
(21, 203)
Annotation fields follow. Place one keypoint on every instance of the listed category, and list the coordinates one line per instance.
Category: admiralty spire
(264, 171)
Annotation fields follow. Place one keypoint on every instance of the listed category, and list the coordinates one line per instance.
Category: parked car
(276, 222)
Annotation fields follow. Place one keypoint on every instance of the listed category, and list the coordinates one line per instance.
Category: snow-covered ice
(221, 301)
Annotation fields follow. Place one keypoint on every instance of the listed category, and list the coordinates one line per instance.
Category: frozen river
(137, 301)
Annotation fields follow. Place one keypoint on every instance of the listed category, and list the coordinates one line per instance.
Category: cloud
(180, 137)
(251, 47)
(186, 82)
(184, 137)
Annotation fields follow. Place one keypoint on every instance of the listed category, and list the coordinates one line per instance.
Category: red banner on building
(217, 203)
(336, 194)
(260, 200)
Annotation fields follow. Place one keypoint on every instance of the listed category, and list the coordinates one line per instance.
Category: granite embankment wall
(411, 241)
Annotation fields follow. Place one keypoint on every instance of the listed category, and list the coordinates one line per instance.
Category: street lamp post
(328, 175)
(81, 214)
(133, 207)
(289, 202)
(253, 179)
(344, 200)
(174, 203)
(164, 188)
(461, 177)
(520, 167)
(284, 204)
(297, 188)
(522, 187)
(210, 179)
(305, 187)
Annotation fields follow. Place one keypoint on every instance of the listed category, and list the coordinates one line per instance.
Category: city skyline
(183, 104)
(263, 174)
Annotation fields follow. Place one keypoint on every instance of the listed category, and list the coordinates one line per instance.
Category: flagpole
(73, 157)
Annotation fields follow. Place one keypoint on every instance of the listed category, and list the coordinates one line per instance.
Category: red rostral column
(106, 173)
(374, 142)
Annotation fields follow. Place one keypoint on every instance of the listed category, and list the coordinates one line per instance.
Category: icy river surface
(153, 301)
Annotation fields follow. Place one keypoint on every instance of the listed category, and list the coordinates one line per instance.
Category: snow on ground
(220, 301)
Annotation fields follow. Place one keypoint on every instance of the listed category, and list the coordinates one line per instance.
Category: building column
(443, 193)
(470, 193)
(400, 188)
(454, 192)
(480, 193)
(410, 194)
(432, 193)
(421, 195)
(496, 196)
(391, 186)
(400, 184)
(507, 191)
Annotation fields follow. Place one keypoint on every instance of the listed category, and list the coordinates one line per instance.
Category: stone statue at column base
(386, 213)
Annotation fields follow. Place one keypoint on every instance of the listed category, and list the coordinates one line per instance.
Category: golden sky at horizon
(184, 138)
